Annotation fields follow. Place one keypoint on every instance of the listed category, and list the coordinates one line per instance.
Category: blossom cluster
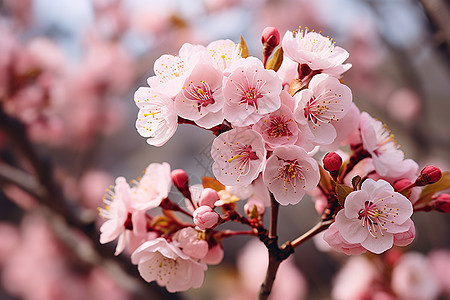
(271, 119)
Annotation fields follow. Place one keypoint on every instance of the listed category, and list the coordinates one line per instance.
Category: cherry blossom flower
(325, 100)
(315, 51)
(413, 277)
(346, 128)
(289, 173)
(153, 187)
(214, 256)
(116, 212)
(439, 260)
(388, 159)
(355, 279)
(338, 243)
(191, 244)
(405, 238)
(223, 53)
(250, 91)
(171, 71)
(239, 156)
(157, 119)
(372, 215)
(163, 262)
(278, 128)
(201, 98)
(126, 206)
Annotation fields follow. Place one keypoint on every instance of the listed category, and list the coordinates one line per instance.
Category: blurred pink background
(68, 71)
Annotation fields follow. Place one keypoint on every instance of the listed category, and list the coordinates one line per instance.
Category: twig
(274, 207)
(319, 227)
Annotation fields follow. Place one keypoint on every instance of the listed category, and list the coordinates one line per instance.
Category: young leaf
(431, 189)
(209, 182)
(356, 182)
(242, 48)
(342, 192)
(275, 62)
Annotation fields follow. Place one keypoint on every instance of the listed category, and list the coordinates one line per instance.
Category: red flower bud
(401, 184)
(442, 203)
(181, 180)
(430, 174)
(332, 163)
(271, 37)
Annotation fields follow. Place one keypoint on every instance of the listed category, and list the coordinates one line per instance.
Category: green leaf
(275, 62)
(242, 48)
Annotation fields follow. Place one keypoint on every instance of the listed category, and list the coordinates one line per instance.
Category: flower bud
(208, 197)
(442, 203)
(270, 37)
(181, 180)
(332, 163)
(205, 217)
(430, 174)
(400, 184)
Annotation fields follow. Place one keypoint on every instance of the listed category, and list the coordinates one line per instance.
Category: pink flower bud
(332, 163)
(271, 37)
(214, 255)
(442, 203)
(208, 197)
(430, 174)
(181, 180)
(205, 217)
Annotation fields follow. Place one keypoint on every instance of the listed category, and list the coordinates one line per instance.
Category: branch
(274, 206)
(438, 13)
(63, 218)
(319, 227)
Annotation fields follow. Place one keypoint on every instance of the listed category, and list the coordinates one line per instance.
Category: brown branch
(319, 227)
(274, 207)
(438, 13)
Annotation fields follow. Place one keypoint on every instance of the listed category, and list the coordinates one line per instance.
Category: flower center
(375, 217)
(278, 127)
(241, 157)
(128, 224)
(251, 96)
(291, 172)
(201, 94)
(318, 110)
